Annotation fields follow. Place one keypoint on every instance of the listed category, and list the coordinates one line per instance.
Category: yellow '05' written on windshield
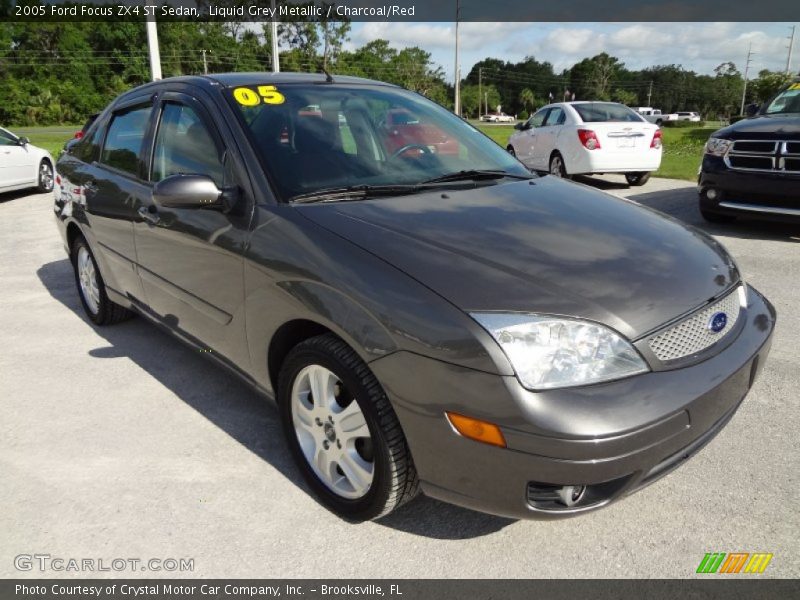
(266, 94)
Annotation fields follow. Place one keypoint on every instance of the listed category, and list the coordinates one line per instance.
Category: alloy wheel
(87, 276)
(332, 431)
(46, 176)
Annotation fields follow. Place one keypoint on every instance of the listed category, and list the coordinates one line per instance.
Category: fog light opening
(570, 495)
(566, 495)
(711, 194)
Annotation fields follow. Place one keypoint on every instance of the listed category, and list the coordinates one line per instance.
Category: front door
(190, 259)
(16, 163)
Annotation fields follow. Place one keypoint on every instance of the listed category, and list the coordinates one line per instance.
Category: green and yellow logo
(734, 562)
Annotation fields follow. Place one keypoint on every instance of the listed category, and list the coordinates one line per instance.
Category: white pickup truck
(654, 115)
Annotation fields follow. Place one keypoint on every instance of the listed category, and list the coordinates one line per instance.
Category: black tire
(394, 476)
(46, 177)
(715, 217)
(557, 166)
(106, 312)
(658, 122)
(638, 178)
(511, 151)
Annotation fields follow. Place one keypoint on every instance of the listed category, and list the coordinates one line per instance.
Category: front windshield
(312, 138)
(788, 101)
(601, 112)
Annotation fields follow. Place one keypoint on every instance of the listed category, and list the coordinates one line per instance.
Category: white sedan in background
(689, 116)
(571, 138)
(500, 117)
(23, 165)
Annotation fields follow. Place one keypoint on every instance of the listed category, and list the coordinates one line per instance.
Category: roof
(237, 79)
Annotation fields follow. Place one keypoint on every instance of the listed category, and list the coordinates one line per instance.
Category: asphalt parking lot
(121, 442)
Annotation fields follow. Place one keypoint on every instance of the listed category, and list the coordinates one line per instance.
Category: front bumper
(762, 195)
(613, 438)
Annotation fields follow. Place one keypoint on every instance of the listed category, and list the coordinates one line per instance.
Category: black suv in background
(752, 168)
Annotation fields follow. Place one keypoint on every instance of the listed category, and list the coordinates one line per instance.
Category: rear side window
(185, 146)
(88, 149)
(555, 116)
(6, 139)
(124, 140)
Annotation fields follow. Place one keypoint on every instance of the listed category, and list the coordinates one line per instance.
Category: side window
(88, 149)
(185, 146)
(6, 139)
(124, 140)
(555, 116)
(537, 119)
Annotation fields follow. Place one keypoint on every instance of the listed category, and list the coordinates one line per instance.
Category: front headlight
(552, 352)
(717, 146)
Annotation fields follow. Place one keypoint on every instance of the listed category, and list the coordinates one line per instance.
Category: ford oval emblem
(717, 322)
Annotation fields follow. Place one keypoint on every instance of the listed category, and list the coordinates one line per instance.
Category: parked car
(445, 322)
(497, 117)
(752, 167)
(403, 128)
(23, 165)
(689, 116)
(654, 115)
(571, 138)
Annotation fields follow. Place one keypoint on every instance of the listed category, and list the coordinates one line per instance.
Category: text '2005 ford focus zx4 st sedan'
(446, 321)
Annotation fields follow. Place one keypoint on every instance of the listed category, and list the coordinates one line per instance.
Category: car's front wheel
(637, 179)
(92, 289)
(45, 183)
(511, 150)
(343, 432)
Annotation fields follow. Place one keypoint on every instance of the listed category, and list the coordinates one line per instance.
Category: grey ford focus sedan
(427, 314)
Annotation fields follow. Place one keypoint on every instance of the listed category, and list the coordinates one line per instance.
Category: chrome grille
(693, 335)
(764, 155)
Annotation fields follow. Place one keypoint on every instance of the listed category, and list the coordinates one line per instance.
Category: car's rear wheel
(557, 167)
(91, 288)
(638, 178)
(45, 176)
(343, 432)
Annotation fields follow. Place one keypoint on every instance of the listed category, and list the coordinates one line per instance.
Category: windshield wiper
(475, 174)
(355, 192)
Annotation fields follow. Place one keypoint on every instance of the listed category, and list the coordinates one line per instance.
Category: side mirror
(188, 191)
(752, 110)
(23, 141)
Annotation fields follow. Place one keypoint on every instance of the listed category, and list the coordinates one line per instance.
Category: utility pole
(649, 92)
(152, 44)
(746, 71)
(789, 57)
(480, 87)
(205, 63)
(276, 67)
(457, 70)
(486, 98)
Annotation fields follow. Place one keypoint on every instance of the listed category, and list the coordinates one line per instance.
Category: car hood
(544, 246)
(763, 127)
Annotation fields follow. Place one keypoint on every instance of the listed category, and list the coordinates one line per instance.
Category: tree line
(52, 73)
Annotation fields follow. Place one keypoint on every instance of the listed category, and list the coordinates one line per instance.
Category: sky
(697, 47)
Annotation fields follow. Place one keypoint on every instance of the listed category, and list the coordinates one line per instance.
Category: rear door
(191, 259)
(547, 136)
(110, 183)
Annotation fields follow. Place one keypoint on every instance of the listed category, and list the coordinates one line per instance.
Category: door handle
(149, 214)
